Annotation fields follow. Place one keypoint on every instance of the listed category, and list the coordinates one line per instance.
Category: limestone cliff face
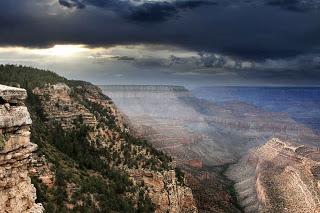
(279, 176)
(17, 194)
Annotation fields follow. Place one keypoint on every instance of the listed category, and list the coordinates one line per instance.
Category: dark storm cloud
(146, 12)
(161, 10)
(80, 4)
(71, 4)
(236, 28)
(295, 5)
(155, 12)
(123, 58)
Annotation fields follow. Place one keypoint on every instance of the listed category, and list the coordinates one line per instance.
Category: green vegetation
(27, 77)
(154, 160)
(96, 187)
(229, 184)
(2, 141)
(180, 175)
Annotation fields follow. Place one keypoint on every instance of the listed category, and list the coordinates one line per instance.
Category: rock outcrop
(17, 194)
(279, 176)
(165, 191)
(62, 108)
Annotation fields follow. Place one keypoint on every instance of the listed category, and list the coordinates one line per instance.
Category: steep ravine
(212, 189)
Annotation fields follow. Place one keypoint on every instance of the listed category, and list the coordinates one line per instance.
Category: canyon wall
(279, 176)
(193, 129)
(17, 194)
(205, 137)
(301, 103)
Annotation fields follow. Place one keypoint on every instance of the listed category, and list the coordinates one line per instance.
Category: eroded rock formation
(17, 194)
(279, 176)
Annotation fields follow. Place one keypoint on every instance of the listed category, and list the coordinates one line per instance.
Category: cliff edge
(17, 194)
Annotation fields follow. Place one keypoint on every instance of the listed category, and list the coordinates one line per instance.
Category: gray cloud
(238, 28)
(280, 37)
(295, 5)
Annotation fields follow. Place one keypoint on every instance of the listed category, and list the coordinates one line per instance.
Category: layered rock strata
(279, 176)
(61, 108)
(205, 137)
(17, 194)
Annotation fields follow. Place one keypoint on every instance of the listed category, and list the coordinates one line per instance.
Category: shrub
(2, 141)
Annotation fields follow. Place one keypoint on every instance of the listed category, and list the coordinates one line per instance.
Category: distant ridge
(144, 88)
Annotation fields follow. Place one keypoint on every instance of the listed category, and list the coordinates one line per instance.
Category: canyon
(206, 138)
(120, 149)
(301, 103)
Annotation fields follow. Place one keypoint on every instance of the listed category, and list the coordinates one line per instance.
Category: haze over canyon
(165, 106)
(212, 136)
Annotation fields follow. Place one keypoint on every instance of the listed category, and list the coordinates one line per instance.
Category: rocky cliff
(279, 176)
(17, 194)
(165, 191)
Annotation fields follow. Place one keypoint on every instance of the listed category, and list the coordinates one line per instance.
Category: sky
(183, 42)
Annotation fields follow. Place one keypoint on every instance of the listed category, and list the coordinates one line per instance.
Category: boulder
(12, 94)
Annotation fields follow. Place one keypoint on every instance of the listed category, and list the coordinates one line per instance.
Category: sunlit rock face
(279, 176)
(17, 194)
